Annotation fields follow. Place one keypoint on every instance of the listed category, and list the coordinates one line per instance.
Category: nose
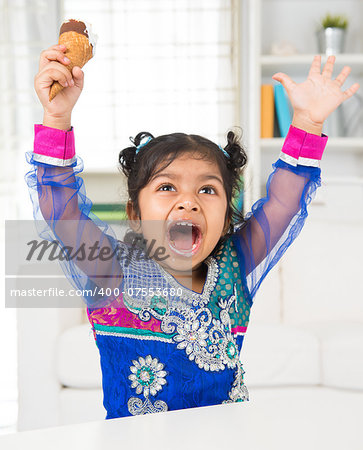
(187, 205)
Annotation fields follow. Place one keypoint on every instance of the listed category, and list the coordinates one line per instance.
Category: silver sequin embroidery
(148, 378)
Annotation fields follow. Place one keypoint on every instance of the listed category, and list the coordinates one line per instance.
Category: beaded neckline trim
(191, 296)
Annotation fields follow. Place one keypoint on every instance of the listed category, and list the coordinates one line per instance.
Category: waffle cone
(79, 51)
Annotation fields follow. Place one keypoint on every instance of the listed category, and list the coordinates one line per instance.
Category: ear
(134, 220)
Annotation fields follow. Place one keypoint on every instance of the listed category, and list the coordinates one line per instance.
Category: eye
(210, 188)
(161, 188)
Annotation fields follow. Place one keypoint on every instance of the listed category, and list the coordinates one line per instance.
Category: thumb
(285, 80)
(78, 76)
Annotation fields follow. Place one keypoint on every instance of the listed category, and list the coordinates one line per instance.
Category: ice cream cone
(75, 36)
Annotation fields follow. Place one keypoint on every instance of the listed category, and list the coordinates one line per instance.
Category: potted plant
(331, 34)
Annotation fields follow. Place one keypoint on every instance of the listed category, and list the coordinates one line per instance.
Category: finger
(61, 47)
(351, 91)
(340, 79)
(58, 46)
(52, 55)
(55, 72)
(329, 66)
(78, 76)
(285, 80)
(315, 66)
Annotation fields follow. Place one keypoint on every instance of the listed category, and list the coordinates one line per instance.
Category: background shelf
(297, 63)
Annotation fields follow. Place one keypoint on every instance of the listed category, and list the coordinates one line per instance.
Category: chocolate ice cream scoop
(80, 42)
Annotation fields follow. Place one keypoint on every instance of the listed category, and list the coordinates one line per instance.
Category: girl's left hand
(319, 95)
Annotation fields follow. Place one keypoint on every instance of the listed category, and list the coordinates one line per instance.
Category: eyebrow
(172, 175)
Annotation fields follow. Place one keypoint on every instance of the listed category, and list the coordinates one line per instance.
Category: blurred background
(201, 67)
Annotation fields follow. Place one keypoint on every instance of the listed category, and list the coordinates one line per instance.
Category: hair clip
(223, 151)
(143, 145)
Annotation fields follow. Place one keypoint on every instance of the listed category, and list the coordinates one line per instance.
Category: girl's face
(189, 190)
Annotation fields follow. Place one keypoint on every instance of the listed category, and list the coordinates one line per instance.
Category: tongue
(182, 240)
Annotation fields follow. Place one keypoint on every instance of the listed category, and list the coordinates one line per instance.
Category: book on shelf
(267, 111)
(276, 125)
(283, 109)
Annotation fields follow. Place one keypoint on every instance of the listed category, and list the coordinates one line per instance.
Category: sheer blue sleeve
(277, 219)
(63, 216)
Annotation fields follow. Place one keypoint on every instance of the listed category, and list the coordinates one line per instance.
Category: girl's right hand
(52, 68)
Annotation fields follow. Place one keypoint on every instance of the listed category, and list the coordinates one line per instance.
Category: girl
(169, 322)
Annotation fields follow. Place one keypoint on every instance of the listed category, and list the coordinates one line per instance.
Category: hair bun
(235, 149)
(127, 155)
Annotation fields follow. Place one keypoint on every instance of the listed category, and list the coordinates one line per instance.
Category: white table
(231, 426)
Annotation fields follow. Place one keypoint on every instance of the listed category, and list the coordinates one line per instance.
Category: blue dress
(172, 348)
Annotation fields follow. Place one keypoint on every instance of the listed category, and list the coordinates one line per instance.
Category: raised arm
(59, 197)
(57, 192)
(277, 219)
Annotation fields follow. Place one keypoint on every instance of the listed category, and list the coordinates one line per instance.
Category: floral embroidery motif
(239, 391)
(148, 377)
(206, 340)
(191, 336)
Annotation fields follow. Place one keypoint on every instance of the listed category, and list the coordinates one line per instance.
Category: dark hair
(141, 167)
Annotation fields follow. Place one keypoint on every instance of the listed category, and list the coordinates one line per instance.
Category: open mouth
(184, 237)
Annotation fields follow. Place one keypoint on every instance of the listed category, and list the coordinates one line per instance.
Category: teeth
(184, 223)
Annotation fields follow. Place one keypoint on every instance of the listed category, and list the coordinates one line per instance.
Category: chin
(177, 264)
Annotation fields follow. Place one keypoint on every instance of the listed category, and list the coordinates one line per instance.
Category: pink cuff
(53, 146)
(302, 148)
